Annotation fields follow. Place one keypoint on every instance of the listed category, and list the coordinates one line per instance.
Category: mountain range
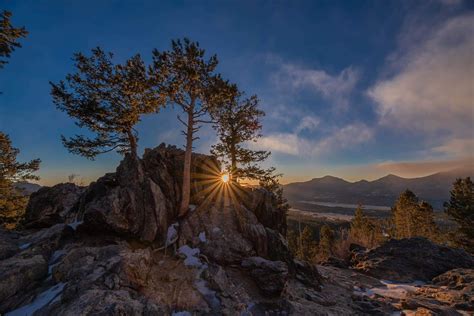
(434, 189)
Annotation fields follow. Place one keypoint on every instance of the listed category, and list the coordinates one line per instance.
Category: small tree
(12, 201)
(108, 99)
(189, 81)
(237, 121)
(326, 242)
(8, 37)
(306, 245)
(461, 208)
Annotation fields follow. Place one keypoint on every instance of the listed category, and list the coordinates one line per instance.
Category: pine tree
(108, 99)
(461, 208)
(326, 242)
(12, 201)
(362, 230)
(8, 37)
(412, 218)
(306, 245)
(237, 121)
(189, 81)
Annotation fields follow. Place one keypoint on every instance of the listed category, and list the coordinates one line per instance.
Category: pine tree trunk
(186, 191)
(133, 143)
(233, 165)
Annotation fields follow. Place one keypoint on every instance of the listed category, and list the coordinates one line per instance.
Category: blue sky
(356, 89)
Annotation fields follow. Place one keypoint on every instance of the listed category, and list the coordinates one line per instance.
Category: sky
(355, 89)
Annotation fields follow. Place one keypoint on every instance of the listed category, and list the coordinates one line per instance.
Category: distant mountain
(384, 191)
(28, 187)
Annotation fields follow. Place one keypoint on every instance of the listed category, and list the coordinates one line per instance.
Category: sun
(225, 177)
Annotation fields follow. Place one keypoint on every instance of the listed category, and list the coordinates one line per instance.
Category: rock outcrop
(409, 260)
(52, 205)
(120, 248)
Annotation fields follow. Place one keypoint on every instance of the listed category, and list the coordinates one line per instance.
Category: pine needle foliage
(107, 99)
(12, 200)
(9, 36)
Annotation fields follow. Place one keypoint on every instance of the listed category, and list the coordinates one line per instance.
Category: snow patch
(25, 246)
(43, 299)
(216, 230)
(183, 313)
(202, 237)
(192, 207)
(172, 233)
(74, 224)
(208, 294)
(54, 261)
(192, 256)
(391, 289)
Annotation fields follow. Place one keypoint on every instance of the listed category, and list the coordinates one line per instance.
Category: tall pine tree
(108, 99)
(461, 208)
(237, 122)
(12, 201)
(188, 80)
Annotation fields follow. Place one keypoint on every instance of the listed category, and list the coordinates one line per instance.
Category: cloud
(309, 123)
(294, 144)
(456, 147)
(336, 88)
(347, 137)
(432, 90)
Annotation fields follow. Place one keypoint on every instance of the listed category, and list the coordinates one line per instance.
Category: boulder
(141, 199)
(19, 274)
(52, 205)
(270, 276)
(411, 259)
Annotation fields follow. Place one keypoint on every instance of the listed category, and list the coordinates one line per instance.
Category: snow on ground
(74, 224)
(192, 256)
(172, 233)
(391, 289)
(202, 237)
(54, 261)
(208, 294)
(25, 246)
(40, 301)
(183, 313)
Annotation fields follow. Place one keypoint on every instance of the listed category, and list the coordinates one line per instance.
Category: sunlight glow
(225, 177)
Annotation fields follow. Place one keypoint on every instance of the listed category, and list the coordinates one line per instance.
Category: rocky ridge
(118, 247)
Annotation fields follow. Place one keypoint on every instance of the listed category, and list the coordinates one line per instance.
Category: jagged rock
(110, 258)
(128, 203)
(8, 243)
(20, 274)
(408, 260)
(141, 199)
(262, 203)
(52, 205)
(307, 274)
(270, 276)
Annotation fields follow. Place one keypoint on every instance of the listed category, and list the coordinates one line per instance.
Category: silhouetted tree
(189, 81)
(237, 121)
(8, 37)
(108, 99)
(12, 201)
(461, 208)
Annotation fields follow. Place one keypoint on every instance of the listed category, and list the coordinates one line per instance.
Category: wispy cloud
(433, 89)
(295, 144)
(335, 88)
